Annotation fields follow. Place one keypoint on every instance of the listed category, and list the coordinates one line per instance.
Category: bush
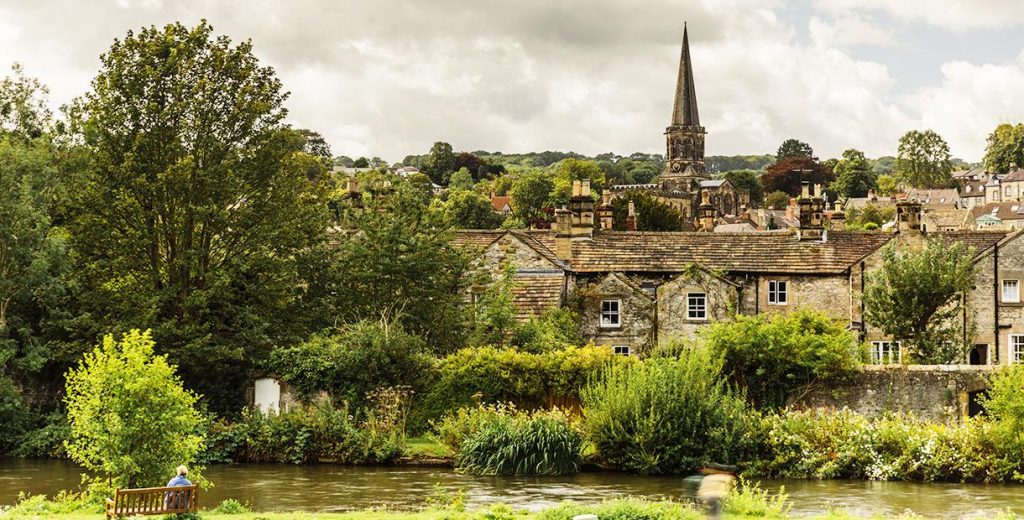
(231, 506)
(1005, 404)
(774, 356)
(624, 509)
(666, 415)
(47, 440)
(530, 380)
(501, 440)
(844, 444)
(355, 361)
(555, 329)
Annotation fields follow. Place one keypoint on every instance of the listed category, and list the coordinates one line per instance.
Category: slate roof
(1002, 210)
(1014, 176)
(540, 240)
(733, 252)
(533, 294)
(979, 240)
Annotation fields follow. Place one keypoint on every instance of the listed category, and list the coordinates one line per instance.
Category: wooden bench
(153, 501)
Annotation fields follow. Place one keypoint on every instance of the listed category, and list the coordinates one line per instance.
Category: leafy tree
(390, 261)
(915, 297)
(314, 144)
(466, 209)
(353, 360)
(461, 180)
(530, 193)
(556, 328)
(854, 175)
(494, 313)
(887, 185)
(1005, 148)
(777, 200)
(195, 202)
(923, 160)
(871, 216)
(788, 174)
(651, 213)
(361, 162)
(725, 163)
(1005, 404)
(131, 421)
(777, 356)
(747, 180)
(884, 165)
(343, 161)
(569, 170)
(793, 148)
(23, 110)
(441, 163)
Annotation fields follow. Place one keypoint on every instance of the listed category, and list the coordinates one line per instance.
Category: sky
(390, 77)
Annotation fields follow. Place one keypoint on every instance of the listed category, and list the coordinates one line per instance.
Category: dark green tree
(1005, 148)
(23, 110)
(195, 203)
(776, 200)
(441, 163)
(531, 192)
(915, 297)
(747, 180)
(923, 160)
(793, 148)
(466, 209)
(854, 175)
(651, 213)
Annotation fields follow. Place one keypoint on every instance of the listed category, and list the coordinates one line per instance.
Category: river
(280, 487)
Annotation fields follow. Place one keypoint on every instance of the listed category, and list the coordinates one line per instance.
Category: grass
(427, 447)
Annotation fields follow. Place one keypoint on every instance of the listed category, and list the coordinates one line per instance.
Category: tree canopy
(923, 160)
(787, 175)
(1005, 148)
(854, 175)
(793, 148)
(651, 213)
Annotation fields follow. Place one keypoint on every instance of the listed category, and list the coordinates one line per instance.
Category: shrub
(47, 440)
(666, 415)
(555, 329)
(1005, 404)
(231, 506)
(774, 356)
(131, 420)
(749, 500)
(624, 509)
(511, 442)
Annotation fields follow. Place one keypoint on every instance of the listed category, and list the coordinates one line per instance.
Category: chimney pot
(577, 188)
(805, 189)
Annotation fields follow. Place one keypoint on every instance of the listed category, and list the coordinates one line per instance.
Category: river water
(280, 487)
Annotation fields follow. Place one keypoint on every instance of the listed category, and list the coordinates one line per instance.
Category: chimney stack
(582, 207)
(563, 234)
(838, 220)
(812, 213)
(706, 212)
(908, 216)
(605, 213)
(631, 217)
(355, 198)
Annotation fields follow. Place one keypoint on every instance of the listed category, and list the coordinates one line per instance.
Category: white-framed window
(611, 313)
(1016, 348)
(696, 306)
(621, 350)
(885, 352)
(778, 292)
(1011, 291)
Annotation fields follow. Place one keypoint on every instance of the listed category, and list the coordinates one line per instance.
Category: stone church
(684, 184)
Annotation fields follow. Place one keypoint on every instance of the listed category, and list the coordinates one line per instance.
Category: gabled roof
(540, 240)
(713, 183)
(731, 252)
(499, 202)
(532, 294)
(1002, 210)
(1015, 176)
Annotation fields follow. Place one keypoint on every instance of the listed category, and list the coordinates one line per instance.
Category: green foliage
(24, 113)
(530, 193)
(508, 375)
(725, 163)
(1005, 148)
(844, 444)
(625, 509)
(494, 313)
(231, 506)
(916, 295)
(870, 217)
(923, 160)
(131, 420)
(194, 203)
(1005, 404)
(749, 500)
(887, 185)
(776, 356)
(746, 180)
(440, 163)
(501, 440)
(46, 439)
(555, 329)
(569, 170)
(461, 180)
(776, 200)
(854, 175)
(465, 209)
(793, 148)
(63, 503)
(666, 415)
(651, 213)
(389, 261)
(354, 360)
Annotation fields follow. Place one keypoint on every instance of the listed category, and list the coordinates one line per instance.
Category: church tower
(684, 160)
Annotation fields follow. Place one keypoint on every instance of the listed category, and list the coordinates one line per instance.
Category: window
(885, 352)
(610, 316)
(621, 350)
(1011, 291)
(1016, 348)
(778, 292)
(696, 306)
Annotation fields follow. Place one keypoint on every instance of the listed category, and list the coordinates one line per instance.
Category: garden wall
(946, 393)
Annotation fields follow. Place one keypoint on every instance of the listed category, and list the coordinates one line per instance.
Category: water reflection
(274, 487)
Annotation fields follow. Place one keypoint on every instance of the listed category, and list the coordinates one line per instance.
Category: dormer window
(611, 313)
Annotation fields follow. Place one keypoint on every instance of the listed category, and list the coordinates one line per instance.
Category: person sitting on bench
(175, 500)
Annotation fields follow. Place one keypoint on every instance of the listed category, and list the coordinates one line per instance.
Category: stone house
(996, 311)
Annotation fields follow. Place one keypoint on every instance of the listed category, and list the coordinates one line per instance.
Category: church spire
(684, 112)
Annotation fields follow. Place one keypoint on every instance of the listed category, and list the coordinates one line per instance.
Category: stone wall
(981, 302)
(933, 392)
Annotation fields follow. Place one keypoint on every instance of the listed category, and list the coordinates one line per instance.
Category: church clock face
(677, 166)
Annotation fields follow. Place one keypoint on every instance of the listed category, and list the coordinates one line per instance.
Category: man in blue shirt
(178, 499)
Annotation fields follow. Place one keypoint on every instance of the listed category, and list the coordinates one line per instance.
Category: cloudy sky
(390, 77)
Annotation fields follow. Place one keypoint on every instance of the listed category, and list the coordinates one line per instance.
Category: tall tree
(923, 160)
(854, 175)
(441, 163)
(23, 110)
(196, 202)
(747, 180)
(793, 148)
(915, 297)
(1005, 148)
(531, 191)
(788, 174)
(467, 209)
